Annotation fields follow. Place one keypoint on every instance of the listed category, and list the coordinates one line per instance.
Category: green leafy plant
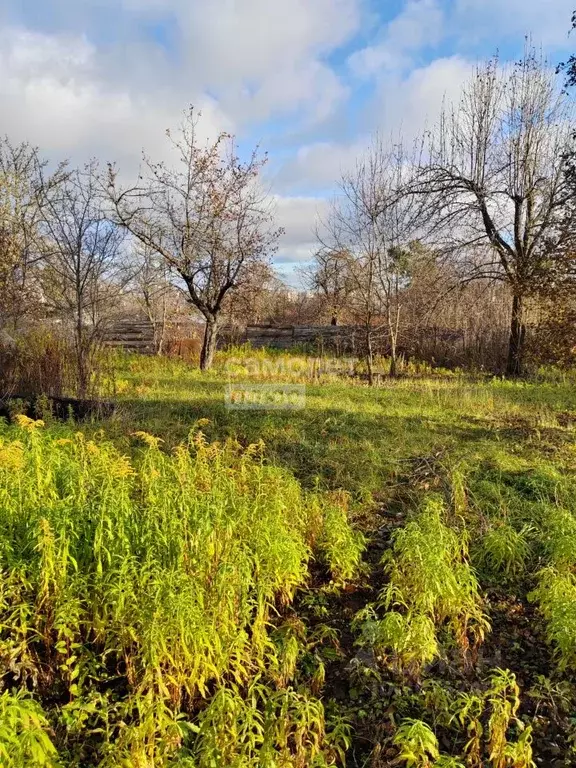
(504, 550)
(169, 567)
(417, 743)
(560, 536)
(556, 598)
(503, 697)
(487, 717)
(519, 753)
(430, 585)
(25, 733)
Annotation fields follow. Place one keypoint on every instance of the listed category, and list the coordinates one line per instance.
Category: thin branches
(206, 216)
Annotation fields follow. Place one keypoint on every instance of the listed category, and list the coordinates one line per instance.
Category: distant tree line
(471, 228)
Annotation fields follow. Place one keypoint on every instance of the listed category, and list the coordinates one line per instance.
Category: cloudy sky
(307, 79)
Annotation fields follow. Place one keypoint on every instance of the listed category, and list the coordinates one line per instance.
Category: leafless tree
(370, 224)
(206, 217)
(330, 277)
(495, 180)
(255, 299)
(22, 175)
(82, 272)
(154, 291)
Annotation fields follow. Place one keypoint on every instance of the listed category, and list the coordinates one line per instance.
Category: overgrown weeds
(146, 601)
(151, 586)
(431, 587)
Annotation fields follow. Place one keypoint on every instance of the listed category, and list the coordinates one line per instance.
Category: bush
(503, 550)
(44, 363)
(556, 598)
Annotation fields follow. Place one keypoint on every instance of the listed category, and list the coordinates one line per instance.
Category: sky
(308, 80)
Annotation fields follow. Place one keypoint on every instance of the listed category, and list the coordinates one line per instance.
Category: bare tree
(498, 193)
(22, 175)
(370, 224)
(330, 277)
(206, 217)
(82, 274)
(256, 297)
(154, 291)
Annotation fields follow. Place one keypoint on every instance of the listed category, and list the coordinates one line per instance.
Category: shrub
(559, 535)
(341, 546)
(488, 718)
(43, 363)
(430, 586)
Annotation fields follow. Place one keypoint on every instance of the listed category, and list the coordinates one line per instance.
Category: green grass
(188, 584)
(349, 436)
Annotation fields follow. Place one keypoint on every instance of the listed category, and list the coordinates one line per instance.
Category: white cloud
(547, 21)
(295, 256)
(52, 94)
(310, 87)
(318, 166)
(401, 109)
(263, 57)
(405, 106)
(419, 25)
(260, 58)
(247, 39)
(298, 216)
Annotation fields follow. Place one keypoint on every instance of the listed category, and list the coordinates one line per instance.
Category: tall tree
(495, 179)
(206, 216)
(370, 224)
(83, 271)
(330, 277)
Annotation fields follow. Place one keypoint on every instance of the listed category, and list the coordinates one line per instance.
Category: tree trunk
(162, 337)
(515, 365)
(159, 331)
(81, 359)
(393, 362)
(369, 357)
(209, 344)
(393, 334)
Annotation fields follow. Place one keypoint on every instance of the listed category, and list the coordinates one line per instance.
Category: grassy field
(384, 577)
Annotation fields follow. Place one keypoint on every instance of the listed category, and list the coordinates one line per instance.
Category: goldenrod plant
(430, 585)
(417, 743)
(488, 717)
(159, 577)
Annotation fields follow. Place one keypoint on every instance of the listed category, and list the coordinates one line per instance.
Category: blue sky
(310, 80)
